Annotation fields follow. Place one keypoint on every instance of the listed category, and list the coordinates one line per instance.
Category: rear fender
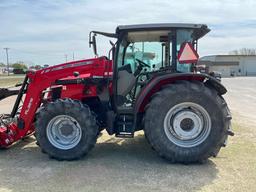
(157, 82)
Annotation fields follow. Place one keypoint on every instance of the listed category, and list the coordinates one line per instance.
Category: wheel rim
(64, 132)
(187, 124)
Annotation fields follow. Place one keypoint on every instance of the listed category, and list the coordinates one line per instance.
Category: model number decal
(29, 106)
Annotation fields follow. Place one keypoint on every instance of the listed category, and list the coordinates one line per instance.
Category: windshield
(148, 52)
(153, 48)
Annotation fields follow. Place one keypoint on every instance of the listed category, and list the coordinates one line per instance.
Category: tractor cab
(143, 52)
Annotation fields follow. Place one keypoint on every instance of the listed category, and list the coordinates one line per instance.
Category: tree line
(16, 65)
(20, 67)
(243, 51)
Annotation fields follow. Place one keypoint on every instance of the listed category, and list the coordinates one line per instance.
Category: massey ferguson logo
(29, 106)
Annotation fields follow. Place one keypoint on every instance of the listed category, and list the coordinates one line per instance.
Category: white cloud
(43, 31)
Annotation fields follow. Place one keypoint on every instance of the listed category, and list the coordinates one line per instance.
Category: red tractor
(147, 82)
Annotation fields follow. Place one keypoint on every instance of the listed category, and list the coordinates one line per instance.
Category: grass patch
(10, 81)
(11, 75)
(236, 163)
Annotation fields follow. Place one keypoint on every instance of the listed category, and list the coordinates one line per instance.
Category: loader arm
(35, 83)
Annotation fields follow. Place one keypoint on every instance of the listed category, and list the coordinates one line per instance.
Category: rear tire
(66, 129)
(187, 122)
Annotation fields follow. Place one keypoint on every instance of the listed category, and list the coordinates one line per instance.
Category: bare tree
(243, 51)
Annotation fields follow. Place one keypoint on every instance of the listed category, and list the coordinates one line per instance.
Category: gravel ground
(131, 165)
(241, 98)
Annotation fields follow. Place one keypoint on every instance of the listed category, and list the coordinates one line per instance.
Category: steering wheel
(142, 63)
(140, 67)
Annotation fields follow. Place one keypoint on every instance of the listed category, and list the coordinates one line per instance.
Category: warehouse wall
(246, 67)
(225, 71)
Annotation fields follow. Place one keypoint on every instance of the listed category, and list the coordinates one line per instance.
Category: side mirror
(112, 50)
(111, 43)
(93, 43)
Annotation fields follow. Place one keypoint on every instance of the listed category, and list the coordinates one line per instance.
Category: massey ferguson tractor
(146, 82)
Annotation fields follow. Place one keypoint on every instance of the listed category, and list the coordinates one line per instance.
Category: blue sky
(43, 31)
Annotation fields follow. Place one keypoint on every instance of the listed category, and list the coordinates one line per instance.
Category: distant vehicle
(19, 71)
(216, 74)
(204, 69)
(6, 70)
(1, 70)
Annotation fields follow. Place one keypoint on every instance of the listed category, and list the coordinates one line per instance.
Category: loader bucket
(7, 92)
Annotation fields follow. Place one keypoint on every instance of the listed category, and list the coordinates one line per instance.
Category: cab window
(148, 52)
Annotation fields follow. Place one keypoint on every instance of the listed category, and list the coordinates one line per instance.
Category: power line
(7, 59)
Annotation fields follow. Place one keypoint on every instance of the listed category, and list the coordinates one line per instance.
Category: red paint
(44, 79)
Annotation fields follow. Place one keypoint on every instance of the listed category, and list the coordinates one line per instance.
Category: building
(230, 65)
(5, 70)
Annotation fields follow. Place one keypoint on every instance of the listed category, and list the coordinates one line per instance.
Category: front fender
(157, 82)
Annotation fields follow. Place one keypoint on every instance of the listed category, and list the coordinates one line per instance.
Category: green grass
(11, 75)
(6, 81)
(236, 163)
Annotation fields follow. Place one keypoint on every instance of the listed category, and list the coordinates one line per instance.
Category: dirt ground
(131, 165)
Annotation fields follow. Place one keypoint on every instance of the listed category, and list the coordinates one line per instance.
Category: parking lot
(131, 165)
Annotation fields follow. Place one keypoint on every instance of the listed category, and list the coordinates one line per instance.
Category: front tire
(187, 122)
(66, 129)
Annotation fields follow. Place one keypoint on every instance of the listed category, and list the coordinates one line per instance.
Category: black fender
(158, 81)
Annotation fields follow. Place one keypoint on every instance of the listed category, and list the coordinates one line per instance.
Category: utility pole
(73, 56)
(66, 57)
(7, 59)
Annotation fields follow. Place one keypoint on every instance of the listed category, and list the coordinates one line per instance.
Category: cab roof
(199, 29)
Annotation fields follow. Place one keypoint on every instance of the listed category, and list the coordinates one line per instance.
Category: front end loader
(147, 82)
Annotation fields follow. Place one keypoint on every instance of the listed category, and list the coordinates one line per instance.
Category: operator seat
(126, 81)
